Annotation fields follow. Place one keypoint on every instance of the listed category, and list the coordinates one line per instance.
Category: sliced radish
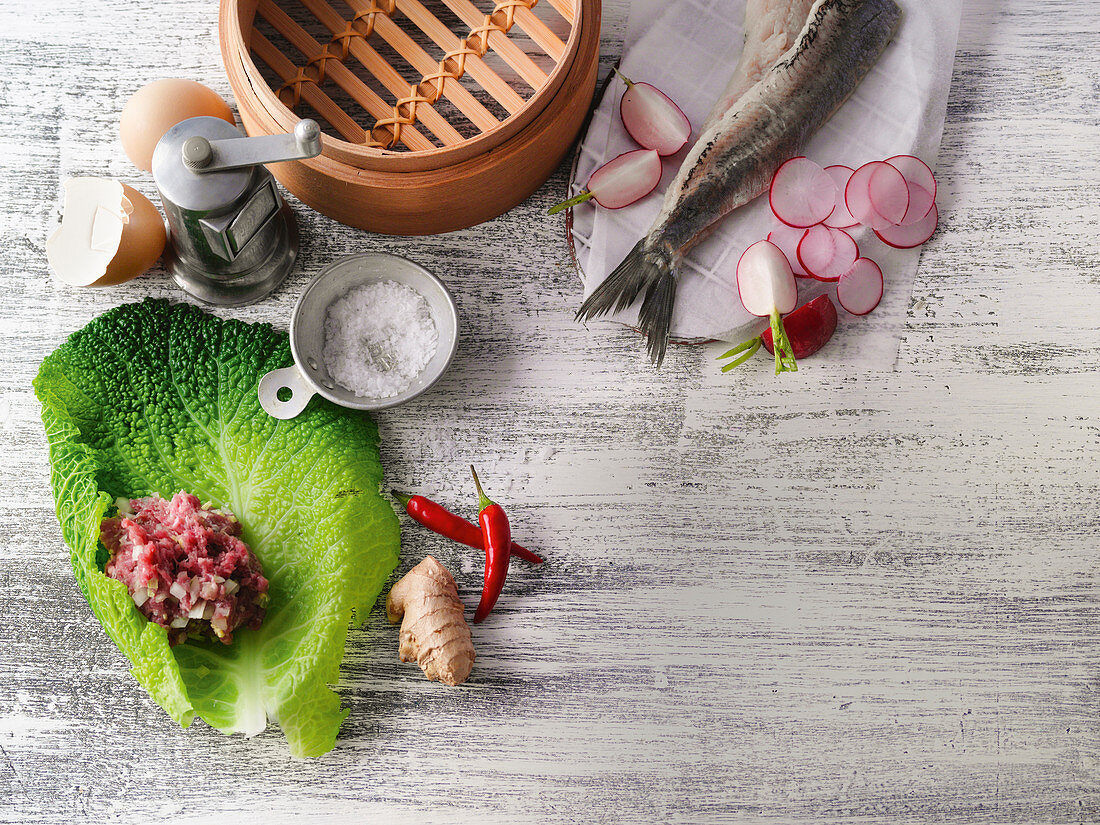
(906, 237)
(787, 238)
(922, 187)
(809, 327)
(827, 253)
(841, 218)
(652, 119)
(889, 193)
(877, 195)
(860, 288)
(767, 288)
(621, 181)
(802, 193)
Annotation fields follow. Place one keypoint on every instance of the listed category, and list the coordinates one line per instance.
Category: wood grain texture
(823, 598)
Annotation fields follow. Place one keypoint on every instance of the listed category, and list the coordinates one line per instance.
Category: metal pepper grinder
(231, 238)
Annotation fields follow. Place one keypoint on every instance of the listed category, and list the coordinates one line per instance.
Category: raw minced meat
(185, 566)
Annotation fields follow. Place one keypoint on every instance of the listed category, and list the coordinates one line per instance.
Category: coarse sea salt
(378, 338)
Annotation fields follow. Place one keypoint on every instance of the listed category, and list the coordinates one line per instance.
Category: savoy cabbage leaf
(156, 397)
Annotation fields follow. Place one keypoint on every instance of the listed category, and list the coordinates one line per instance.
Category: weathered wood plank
(826, 598)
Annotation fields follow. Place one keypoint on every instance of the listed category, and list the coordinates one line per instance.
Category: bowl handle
(288, 379)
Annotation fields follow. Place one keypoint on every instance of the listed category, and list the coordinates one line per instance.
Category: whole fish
(733, 161)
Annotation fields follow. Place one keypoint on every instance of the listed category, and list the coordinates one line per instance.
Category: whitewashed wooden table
(827, 597)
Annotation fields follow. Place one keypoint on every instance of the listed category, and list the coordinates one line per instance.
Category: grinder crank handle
(201, 155)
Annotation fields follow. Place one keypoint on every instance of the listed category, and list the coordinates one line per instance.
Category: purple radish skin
(652, 118)
(619, 182)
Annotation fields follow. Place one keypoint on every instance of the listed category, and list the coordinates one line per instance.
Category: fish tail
(649, 268)
(621, 288)
(655, 317)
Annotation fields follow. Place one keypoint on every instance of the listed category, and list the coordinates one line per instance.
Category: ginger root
(434, 633)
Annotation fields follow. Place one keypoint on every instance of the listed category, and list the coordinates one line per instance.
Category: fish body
(771, 27)
(733, 160)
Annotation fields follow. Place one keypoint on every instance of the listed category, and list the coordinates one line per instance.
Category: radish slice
(652, 119)
(921, 183)
(827, 253)
(802, 193)
(841, 218)
(621, 181)
(860, 288)
(877, 195)
(765, 280)
(787, 238)
(906, 237)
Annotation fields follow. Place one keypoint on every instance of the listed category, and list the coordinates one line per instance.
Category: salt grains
(378, 338)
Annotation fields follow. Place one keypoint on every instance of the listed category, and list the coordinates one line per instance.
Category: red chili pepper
(440, 520)
(498, 544)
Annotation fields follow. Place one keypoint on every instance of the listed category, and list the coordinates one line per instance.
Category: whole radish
(619, 182)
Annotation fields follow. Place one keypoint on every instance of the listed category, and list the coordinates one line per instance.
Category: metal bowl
(309, 376)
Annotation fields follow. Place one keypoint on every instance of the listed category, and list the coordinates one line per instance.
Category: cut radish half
(765, 280)
(827, 253)
(621, 181)
(652, 119)
(877, 195)
(922, 187)
(802, 193)
(860, 288)
(787, 238)
(841, 218)
(767, 288)
(906, 237)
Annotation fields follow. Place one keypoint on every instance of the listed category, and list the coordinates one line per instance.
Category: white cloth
(688, 50)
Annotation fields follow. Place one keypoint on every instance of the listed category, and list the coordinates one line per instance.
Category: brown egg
(157, 107)
(109, 233)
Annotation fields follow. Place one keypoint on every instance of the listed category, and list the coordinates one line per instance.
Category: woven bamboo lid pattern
(415, 86)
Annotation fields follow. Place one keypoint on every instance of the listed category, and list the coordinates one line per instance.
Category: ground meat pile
(185, 566)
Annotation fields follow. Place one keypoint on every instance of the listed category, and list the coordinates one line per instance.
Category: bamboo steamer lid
(437, 115)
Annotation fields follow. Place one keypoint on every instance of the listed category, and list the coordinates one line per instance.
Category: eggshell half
(110, 233)
(142, 243)
(157, 107)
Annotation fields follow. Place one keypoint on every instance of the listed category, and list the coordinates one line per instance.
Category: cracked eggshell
(158, 106)
(110, 233)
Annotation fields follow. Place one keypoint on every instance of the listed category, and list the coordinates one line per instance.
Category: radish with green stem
(652, 119)
(809, 328)
(620, 182)
(766, 285)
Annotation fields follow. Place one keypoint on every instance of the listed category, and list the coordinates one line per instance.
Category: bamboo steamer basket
(437, 114)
